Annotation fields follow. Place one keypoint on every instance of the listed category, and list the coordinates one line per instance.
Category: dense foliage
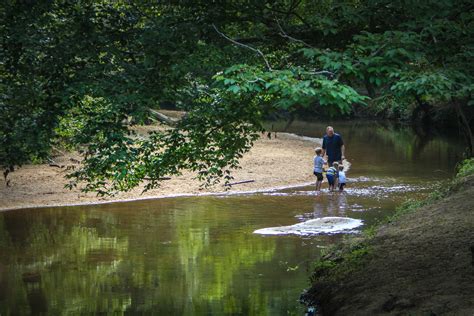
(74, 72)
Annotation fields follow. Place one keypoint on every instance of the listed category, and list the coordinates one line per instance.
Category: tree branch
(258, 51)
(285, 35)
(321, 72)
(373, 54)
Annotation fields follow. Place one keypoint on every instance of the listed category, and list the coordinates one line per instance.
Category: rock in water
(324, 225)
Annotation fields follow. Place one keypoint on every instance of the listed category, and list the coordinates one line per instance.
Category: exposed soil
(284, 160)
(422, 264)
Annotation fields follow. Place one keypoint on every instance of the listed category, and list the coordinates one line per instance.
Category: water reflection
(331, 204)
(384, 149)
(191, 257)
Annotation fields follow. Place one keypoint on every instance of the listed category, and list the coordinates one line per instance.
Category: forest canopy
(76, 73)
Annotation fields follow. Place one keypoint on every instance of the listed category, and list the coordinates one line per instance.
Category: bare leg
(341, 188)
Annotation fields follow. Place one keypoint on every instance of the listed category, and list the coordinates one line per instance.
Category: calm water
(198, 256)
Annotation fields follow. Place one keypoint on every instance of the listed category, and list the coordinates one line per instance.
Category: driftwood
(239, 182)
(74, 160)
(53, 163)
(163, 118)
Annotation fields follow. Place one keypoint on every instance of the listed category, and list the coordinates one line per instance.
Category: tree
(75, 72)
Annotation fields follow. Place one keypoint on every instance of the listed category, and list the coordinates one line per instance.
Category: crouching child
(332, 175)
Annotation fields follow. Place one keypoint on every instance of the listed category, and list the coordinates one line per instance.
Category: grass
(338, 261)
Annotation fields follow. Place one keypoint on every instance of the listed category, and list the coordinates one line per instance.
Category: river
(199, 255)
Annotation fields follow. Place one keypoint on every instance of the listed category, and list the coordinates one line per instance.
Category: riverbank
(280, 161)
(420, 263)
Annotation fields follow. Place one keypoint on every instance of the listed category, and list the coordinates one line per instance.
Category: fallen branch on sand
(239, 182)
(53, 163)
(159, 179)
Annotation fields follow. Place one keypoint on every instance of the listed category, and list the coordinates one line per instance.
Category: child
(318, 167)
(342, 178)
(332, 175)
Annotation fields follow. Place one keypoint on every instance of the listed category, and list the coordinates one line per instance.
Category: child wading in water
(332, 175)
(342, 178)
(318, 167)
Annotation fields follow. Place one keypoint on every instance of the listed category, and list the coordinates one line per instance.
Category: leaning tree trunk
(369, 87)
(163, 118)
(422, 113)
(464, 126)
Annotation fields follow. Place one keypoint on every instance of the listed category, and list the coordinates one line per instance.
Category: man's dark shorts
(338, 160)
(318, 175)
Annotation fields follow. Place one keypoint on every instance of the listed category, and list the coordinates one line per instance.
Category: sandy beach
(282, 161)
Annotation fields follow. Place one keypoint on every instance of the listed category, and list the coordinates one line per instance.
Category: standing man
(333, 146)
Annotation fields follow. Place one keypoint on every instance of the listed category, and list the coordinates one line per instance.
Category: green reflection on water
(170, 257)
(383, 149)
(198, 255)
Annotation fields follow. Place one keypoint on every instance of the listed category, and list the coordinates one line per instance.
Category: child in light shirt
(342, 178)
(318, 167)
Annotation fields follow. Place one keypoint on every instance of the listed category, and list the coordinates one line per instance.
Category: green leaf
(234, 89)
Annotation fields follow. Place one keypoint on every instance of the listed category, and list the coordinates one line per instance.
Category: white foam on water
(324, 225)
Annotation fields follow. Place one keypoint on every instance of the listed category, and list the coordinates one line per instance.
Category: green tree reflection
(87, 261)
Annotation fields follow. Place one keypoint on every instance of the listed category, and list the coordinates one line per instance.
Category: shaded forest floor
(420, 263)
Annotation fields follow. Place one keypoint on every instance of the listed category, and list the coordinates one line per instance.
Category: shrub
(465, 168)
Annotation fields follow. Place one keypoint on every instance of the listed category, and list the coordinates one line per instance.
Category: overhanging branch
(258, 51)
(321, 72)
(285, 35)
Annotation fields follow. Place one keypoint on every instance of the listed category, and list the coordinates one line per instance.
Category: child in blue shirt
(318, 167)
(332, 175)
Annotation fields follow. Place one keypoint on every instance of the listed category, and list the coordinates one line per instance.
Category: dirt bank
(282, 161)
(420, 264)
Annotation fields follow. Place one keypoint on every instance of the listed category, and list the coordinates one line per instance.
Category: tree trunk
(424, 109)
(465, 127)
(163, 118)
(370, 87)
